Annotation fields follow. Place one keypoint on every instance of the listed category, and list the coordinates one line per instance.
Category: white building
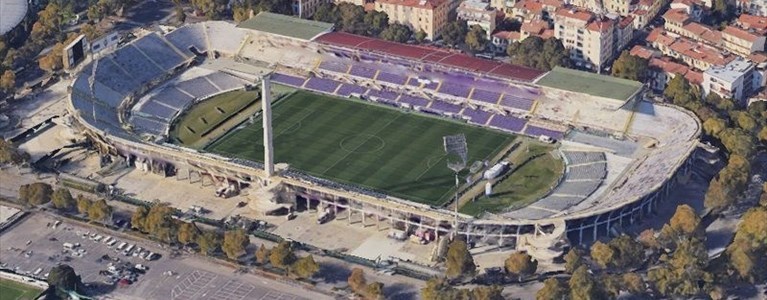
(738, 80)
(754, 7)
(476, 12)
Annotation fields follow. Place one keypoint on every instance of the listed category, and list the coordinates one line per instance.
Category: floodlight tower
(266, 111)
(457, 152)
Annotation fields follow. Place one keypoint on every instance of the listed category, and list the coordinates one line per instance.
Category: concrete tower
(266, 110)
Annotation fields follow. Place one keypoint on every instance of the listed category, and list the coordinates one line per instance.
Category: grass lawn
(11, 290)
(193, 128)
(347, 141)
(528, 183)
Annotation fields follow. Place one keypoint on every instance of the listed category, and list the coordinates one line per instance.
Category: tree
(240, 13)
(520, 264)
(628, 252)
(187, 233)
(748, 252)
(7, 81)
(305, 267)
(573, 260)
(459, 262)
(728, 184)
(552, 289)
(397, 33)
(602, 254)
(63, 279)
(540, 54)
(262, 255)
(420, 36)
(630, 67)
(745, 121)
(763, 135)
(63, 200)
(352, 18)
(439, 289)
(159, 222)
(34, 194)
(753, 228)
(678, 90)
(209, 242)
(633, 283)
(683, 272)
(282, 255)
(583, 286)
(375, 291)
(742, 259)
(714, 126)
(9, 154)
(737, 141)
(454, 32)
(138, 218)
(492, 292)
(476, 38)
(213, 9)
(99, 211)
(83, 204)
(684, 223)
(90, 31)
(327, 12)
(376, 22)
(235, 243)
(357, 280)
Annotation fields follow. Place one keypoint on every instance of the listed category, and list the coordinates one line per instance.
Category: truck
(399, 235)
(496, 170)
(121, 246)
(325, 216)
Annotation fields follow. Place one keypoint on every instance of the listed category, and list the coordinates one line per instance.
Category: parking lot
(34, 246)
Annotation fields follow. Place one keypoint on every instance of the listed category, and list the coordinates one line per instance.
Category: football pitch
(10, 290)
(380, 148)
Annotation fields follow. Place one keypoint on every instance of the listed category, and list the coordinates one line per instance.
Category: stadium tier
(516, 102)
(293, 81)
(162, 54)
(333, 66)
(137, 65)
(149, 125)
(414, 101)
(533, 130)
(171, 96)
(192, 35)
(444, 107)
(485, 96)
(153, 108)
(225, 82)
(391, 78)
(507, 123)
(363, 72)
(382, 95)
(476, 116)
(322, 85)
(224, 37)
(198, 87)
(595, 171)
(348, 89)
(576, 158)
(454, 89)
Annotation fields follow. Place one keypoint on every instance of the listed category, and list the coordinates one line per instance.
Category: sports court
(10, 290)
(366, 145)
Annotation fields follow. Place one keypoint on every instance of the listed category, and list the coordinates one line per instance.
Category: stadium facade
(623, 154)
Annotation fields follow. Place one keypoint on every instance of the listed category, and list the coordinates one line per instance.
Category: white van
(122, 245)
(38, 271)
(130, 247)
(111, 243)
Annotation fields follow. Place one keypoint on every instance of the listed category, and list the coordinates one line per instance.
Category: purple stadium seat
(538, 131)
(517, 102)
(485, 96)
(288, 80)
(333, 66)
(391, 78)
(508, 123)
(322, 85)
(476, 116)
(360, 71)
(445, 107)
(348, 89)
(453, 89)
(414, 101)
(383, 94)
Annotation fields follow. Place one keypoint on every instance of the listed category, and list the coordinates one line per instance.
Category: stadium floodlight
(457, 151)
(457, 155)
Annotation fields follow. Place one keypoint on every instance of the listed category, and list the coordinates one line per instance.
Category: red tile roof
(642, 52)
(534, 27)
(575, 14)
(507, 35)
(678, 15)
(756, 22)
(740, 34)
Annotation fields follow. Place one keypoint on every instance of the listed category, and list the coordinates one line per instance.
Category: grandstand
(621, 152)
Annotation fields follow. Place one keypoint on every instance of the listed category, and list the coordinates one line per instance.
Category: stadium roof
(11, 13)
(590, 83)
(433, 55)
(286, 26)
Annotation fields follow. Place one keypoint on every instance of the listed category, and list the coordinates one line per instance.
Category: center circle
(362, 143)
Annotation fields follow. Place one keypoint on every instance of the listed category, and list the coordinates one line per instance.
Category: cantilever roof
(590, 83)
(11, 14)
(286, 26)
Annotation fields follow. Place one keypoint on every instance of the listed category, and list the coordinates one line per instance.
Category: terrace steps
(471, 93)
(177, 50)
(500, 97)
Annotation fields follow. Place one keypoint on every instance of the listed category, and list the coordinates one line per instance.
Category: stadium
(356, 126)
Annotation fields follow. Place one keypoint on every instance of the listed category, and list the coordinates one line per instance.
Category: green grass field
(11, 290)
(194, 127)
(384, 149)
(537, 172)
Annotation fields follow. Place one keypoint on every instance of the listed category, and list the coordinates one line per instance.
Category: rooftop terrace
(286, 26)
(591, 84)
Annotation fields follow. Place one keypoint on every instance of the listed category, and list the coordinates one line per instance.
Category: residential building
(741, 41)
(692, 8)
(305, 8)
(756, 23)
(695, 54)
(737, 80)
(502, 39)
(533, 9)
(427, 15)
(539, 28)
(593, 42)
(355, 2)
(753, 7)
(476, 12)
(675, 20)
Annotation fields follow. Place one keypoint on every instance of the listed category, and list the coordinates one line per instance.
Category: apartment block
(695, 54)
(742, 42)
(476, 12)
(738, 80)
(593, 42)
(427, 15)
